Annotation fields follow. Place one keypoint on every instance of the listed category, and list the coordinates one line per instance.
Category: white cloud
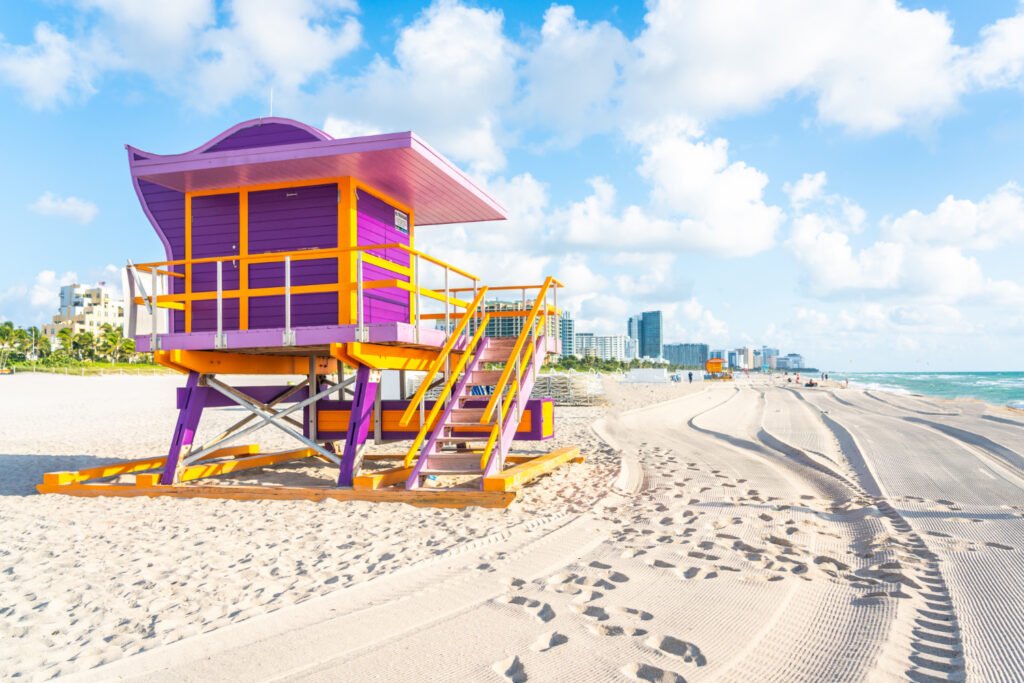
(920, 255)
(53, 70)
(700, 200)
(344, 128)
(872, 66)
(271, 43)
(179, 44)
(75, 209)
(809, 188)
(998, 61)
(453, 73)
(155, 37)
(570, 75)
(997, 219)
(45, 291)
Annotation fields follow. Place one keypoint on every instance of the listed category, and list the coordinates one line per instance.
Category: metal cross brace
(268, 415)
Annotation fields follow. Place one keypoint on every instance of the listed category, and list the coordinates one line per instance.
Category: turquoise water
(1001, 388)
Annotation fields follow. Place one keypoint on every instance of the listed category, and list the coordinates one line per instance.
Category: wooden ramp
(381, 486)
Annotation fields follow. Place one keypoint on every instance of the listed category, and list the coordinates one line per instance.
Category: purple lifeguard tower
(288, 252)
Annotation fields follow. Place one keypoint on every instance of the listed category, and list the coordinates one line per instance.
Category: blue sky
(838, 179)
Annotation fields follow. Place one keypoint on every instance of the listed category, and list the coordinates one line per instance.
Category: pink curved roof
(276, 150)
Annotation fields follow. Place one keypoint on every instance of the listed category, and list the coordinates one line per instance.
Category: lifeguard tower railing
(150, 285)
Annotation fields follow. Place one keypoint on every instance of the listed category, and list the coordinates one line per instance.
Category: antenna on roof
(271, 100)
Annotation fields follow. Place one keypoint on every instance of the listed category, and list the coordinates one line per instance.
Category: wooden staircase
(447, 452)
(473, 433)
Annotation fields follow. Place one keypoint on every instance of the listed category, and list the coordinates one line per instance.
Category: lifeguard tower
(290, 253)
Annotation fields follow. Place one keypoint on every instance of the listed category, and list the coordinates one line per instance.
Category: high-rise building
(646, 329)
(769, 356)
(791, 361)
(85, 309)
(686, 354)
(733, 358)
(567, 333)
(507, 325)
(583, 344)
(720, 353)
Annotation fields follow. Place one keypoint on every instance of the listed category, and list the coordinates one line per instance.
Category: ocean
(1000, 388)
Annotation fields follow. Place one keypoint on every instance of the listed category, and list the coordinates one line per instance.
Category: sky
(839, 179)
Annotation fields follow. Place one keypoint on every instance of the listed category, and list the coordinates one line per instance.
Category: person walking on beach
(690, 375)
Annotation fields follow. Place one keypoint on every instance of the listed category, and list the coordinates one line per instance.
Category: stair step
(460, 438)
(501, 342)
(494, 355)
(467, 415)
(485, 378)
(470, 423)
(452, 463)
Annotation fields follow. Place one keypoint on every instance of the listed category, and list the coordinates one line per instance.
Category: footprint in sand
(593, 612)
(648, 672)
(999, 546)
(537, 609)
(549, 641)
(511, 669)
(695, 572)
(615, 630)
(632, 613)
(688, 652)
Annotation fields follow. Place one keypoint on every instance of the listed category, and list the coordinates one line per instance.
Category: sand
(740, 531)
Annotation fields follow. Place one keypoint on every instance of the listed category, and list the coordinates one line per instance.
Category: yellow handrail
(515, 386)
(448, 385)
(516, 351)
(511, 288)
(453, 338)
(305, 255)
(485, 458)
(506, 405)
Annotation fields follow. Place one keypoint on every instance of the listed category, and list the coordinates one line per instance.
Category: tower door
(215, 232)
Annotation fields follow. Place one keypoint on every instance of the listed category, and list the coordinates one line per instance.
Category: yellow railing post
(445, 392)
(449, 345)
(516, 352)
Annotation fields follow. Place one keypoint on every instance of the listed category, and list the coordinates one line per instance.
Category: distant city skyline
(863, 204)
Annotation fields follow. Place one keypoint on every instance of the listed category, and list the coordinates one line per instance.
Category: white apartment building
(85, 310)
(618, 347)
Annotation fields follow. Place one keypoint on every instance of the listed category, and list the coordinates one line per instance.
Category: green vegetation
(28, 349)
(597, 365)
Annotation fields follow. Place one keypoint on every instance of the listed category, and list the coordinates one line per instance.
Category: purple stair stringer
(508, 430)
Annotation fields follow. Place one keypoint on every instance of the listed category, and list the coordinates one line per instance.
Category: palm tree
(7, 331)
(66, 337)
(110, 342)
(84, 344)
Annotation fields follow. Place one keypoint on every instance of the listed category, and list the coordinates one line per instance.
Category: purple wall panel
(264, 135)
(294, 218)
(204, 315)
(287, 220)
(168, 210)
(307, 309)
(312, 272)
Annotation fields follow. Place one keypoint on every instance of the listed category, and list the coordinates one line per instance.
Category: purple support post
(185, 429)
(359, 422)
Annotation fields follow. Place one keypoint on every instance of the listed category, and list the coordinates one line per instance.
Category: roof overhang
(399, 164)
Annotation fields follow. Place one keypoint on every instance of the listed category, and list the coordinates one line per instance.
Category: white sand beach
(734, 532)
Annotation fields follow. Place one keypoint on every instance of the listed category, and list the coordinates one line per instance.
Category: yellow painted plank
(376, 480)
(441, 498)
(135, 466)
(514, 477)
(194, 472)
